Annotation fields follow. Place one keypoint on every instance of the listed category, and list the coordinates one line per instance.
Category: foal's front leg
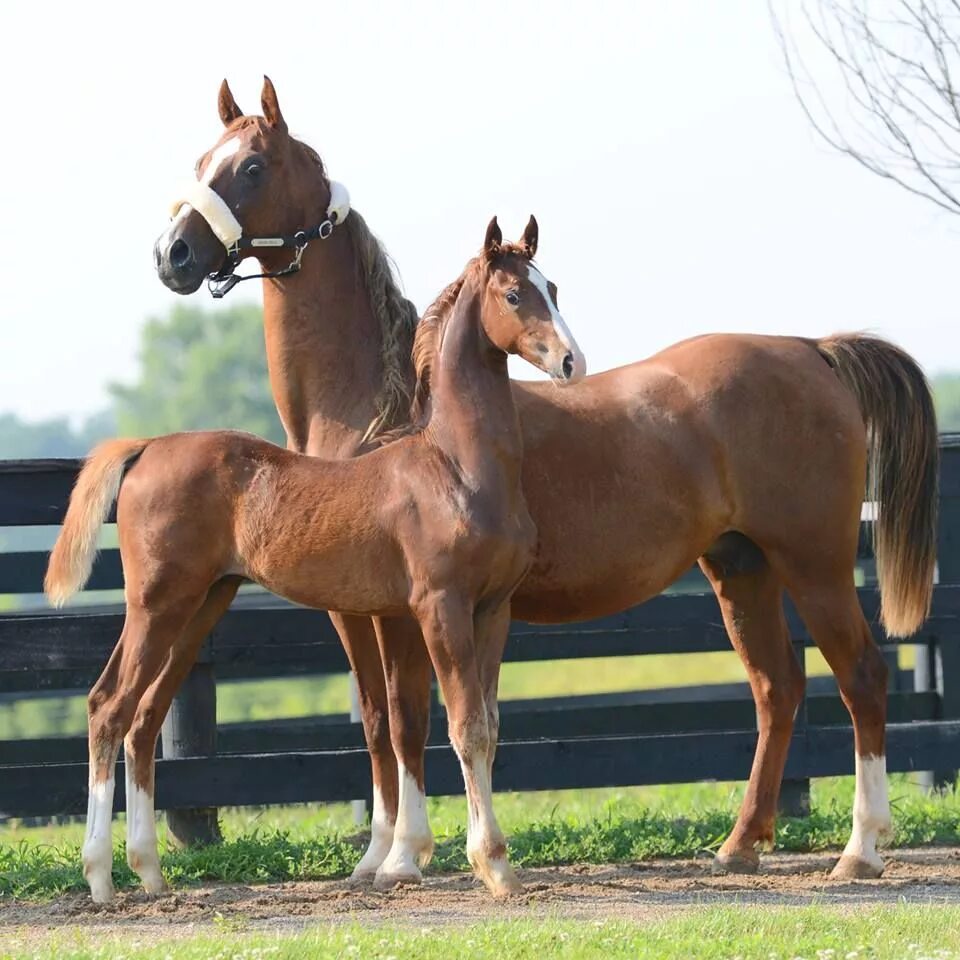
(447, 624)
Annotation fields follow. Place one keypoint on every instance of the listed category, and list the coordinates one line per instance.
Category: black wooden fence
(654, 737)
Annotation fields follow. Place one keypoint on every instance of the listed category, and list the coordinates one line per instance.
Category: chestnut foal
(746, 454)
(433, 524)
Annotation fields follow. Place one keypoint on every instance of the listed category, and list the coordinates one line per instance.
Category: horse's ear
(493, 239)
(229, 111)
(531, 234)
(271, 108)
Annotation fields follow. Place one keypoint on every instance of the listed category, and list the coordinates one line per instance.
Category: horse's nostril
(568, 366)
(180, 254)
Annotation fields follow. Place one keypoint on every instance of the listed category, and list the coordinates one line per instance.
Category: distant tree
(946, 395)
(200, 369)
(879, 80)
(23, 439)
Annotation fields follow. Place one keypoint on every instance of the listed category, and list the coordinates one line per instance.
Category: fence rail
(648, 737)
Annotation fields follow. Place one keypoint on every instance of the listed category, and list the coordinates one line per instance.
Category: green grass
(811, 933)
(585, 826)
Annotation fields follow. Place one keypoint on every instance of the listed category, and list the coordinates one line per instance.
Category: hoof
(362, 878)
(101, 890)
(505, 887)
(742, 863)
(387, 880)
(853, 868)
(154, 885)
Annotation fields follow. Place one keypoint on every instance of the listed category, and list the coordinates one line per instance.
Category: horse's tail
(902, 470)
(98, 485)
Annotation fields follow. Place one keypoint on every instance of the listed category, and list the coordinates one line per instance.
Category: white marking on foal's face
(563, 332)
(224, 152)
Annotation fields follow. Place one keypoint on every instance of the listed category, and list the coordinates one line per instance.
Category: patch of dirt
(642, 891)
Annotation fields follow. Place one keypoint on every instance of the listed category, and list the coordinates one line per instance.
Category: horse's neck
(323, 350)
(473, 419)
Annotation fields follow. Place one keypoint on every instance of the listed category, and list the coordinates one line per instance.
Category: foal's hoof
(502, 888)
(853, 868)
(743, 863)
(392, 879)
(101, 891)
(362, 878)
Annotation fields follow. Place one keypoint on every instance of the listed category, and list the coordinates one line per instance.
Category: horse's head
(519, 307)
(256, 186)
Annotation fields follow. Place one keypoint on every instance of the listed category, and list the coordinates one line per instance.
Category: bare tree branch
(875, 79)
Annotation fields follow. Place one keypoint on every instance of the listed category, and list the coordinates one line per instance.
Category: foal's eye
(513, 298)
(253, 169)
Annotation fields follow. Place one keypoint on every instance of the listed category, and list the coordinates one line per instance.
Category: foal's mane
(429, 337)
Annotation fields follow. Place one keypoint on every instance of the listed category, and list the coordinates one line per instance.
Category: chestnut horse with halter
(433, 524)
(746, 454)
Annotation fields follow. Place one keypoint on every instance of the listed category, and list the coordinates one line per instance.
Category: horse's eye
(513, 298)
(253, 169)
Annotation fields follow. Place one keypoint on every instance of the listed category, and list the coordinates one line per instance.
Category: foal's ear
(493, 239)
(271, 108)
(229, 111)
(531, 234)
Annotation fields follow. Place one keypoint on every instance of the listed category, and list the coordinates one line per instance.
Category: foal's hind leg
(360, 643)
(141, 741)
(407, 669)
(144, 645)
(831, 610)
(750, 597)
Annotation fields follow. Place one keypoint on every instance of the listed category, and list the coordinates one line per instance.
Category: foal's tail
(93, 495)
(902, 470)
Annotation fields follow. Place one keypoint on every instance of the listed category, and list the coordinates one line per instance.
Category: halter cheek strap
(228, 230)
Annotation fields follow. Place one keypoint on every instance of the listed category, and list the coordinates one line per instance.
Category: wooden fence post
(938, 664)
(795, 794)
(190, 730)
(361, 808)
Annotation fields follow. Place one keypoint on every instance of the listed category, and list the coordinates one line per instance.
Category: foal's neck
(324, 347)
(473, 419)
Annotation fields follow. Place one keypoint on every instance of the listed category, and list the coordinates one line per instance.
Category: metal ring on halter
(325, 229)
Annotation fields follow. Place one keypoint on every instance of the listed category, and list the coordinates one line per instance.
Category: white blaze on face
(224, 152)
(563, 332)
(871, 810)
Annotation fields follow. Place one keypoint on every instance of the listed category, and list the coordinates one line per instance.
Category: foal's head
(519, 306)
(256, 177)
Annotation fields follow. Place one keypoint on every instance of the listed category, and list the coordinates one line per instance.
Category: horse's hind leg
(141, 741)
(750, 597)
(144, 646)
(831, 610)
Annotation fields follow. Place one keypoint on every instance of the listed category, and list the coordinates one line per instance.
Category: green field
(811, 933)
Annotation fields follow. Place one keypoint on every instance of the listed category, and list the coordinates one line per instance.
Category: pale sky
(677, 185)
